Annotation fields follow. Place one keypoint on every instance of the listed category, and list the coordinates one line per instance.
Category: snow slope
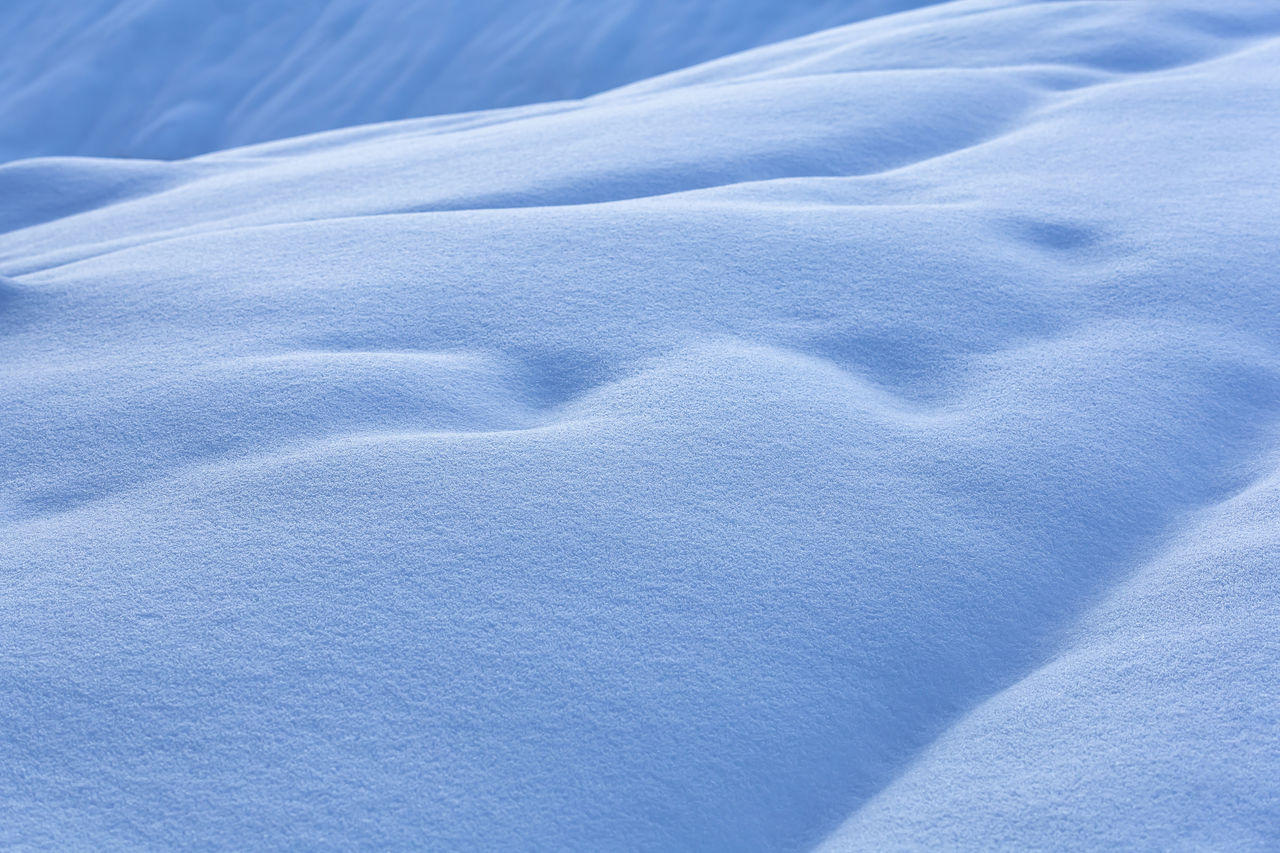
(864, 442)
(173, 78)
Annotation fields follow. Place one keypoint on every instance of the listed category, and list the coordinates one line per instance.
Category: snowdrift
(174, 78)
(863, 442)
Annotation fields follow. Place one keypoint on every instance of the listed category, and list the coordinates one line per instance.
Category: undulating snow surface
(174, 78)
(864, 442)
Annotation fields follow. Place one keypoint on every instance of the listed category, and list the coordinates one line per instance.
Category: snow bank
(173, 78)
(867, 440)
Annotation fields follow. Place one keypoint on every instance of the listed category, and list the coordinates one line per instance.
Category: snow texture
(869, 441)
(174, 78)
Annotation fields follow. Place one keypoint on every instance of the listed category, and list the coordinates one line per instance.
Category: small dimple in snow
(1053, 235)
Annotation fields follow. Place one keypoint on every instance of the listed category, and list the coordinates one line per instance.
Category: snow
(867, 441)
(175, 78)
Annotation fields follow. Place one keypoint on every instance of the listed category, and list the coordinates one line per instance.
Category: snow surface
(174, 78)
(870, 441)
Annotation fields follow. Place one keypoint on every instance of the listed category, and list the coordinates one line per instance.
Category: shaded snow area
(870, 441)
(174, 78)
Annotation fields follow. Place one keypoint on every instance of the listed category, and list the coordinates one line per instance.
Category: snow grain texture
(868, 440)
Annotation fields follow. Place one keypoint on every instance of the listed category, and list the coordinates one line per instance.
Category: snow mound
(173, 78)
(865, 441)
